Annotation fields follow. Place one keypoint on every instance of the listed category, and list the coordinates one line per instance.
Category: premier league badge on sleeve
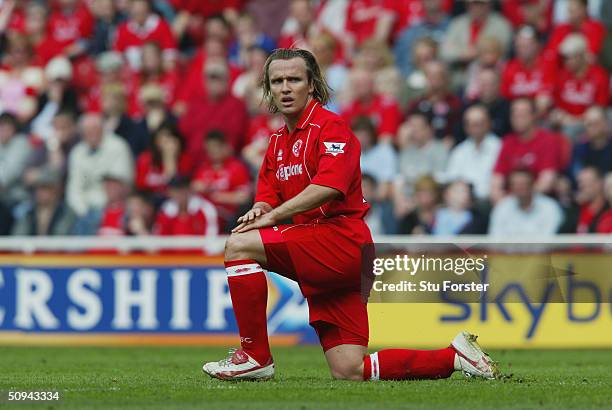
(334, 148)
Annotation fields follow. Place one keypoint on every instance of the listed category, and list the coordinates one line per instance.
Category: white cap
(573, 44)
(59, 68)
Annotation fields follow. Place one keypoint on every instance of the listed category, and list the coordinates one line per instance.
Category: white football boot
(472, 360)
(239, 366)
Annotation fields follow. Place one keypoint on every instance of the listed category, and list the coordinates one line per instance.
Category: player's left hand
(262, 221)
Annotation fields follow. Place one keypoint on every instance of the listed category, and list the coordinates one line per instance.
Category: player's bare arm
(311, 197)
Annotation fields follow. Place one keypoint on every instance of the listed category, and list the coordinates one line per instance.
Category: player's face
(289, 86)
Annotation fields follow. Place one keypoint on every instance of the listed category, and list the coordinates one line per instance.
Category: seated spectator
(154, 112)
(457, 214)
(154, 73)
(434, 25)
(529, 73)
(420, 219)
(300, 26)
(473, 160)
(248, 35)
(595, 213)
(193, 16)
(36, 27)
(374, 219)
(489, 57)
(439, 102)
(578, 86)
(424, 51)
(186, 213)
(324, 47)
(528, 147)
(223, 180)
(212, 111)
(375, 57)
(20, 78)
(70, 25)
(165, 158)
(97, 154)
(107, 19)
(15, 151)
(141, 27)
(525, 211)
(57, 96)
(595, 149)
(116, 189)
(249, 82)
(464, 32)
(54, 152)
(117, 121)
(47, 214)
(578, 22)
(383, 111)
(373, 154)
(535, 13)
(496, 104)
(261, 126)
(420, 154)
(140, 214)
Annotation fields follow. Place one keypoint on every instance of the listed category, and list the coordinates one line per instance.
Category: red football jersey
(200, 219)
(538, 154)
(382, 110)
(130, 38)
(66, 29)
(519, 80)
(576, 94)
(322, 150)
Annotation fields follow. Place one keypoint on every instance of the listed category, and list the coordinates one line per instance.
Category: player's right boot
(239, 366)
(472, 360)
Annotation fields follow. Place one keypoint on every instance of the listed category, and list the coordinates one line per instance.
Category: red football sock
(403, 364)
(249, 291)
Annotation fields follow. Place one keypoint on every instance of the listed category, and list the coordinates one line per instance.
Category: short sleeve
(338, 154)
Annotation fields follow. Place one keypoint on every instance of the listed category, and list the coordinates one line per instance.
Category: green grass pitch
(171, 378)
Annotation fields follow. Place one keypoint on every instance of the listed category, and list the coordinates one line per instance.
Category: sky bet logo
(575, 290)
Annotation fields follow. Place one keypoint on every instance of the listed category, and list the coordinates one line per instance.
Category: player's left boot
(472, 360)
(239, 366)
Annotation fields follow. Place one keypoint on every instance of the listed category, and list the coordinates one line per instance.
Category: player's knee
(346, 372)
(235, 248)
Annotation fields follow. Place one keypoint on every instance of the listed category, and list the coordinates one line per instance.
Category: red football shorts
(325, 259)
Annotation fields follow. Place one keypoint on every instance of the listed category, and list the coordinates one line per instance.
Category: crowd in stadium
(139, 117)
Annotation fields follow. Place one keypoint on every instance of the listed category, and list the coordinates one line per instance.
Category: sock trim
(241, 270)
(375, 366)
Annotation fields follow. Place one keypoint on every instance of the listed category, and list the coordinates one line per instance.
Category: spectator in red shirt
(223, 179)
(185, 213)
(116, 188)
(595, 213)
(383, 111)
(300, 26)
(219, 109)
(528, 147)
(529, 73)
(144, 26)
(535, 13)
(369, 19)
(439, 102)
(140, 214)
(153, 72)
(165, 159)
(579, 22)
(70, 25)
(45, 47)
(578, 86)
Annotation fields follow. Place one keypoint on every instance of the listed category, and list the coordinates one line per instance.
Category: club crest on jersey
(279, 156)
(334, 148)
(296, 148)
